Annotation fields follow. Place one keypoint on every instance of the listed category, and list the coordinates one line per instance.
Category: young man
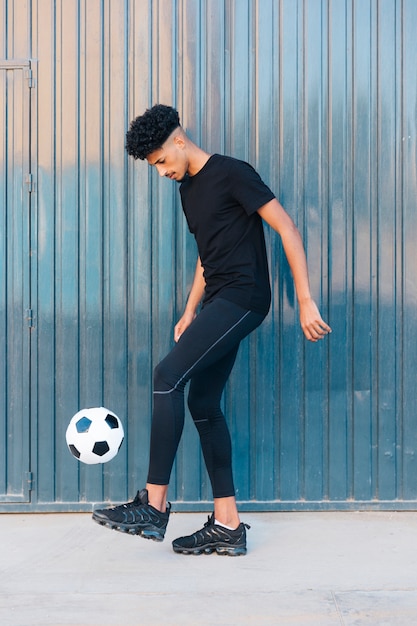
(224, 201)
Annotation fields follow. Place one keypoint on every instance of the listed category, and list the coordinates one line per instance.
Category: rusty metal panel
(320, 96)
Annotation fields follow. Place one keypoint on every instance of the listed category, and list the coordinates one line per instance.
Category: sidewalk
(321, 569)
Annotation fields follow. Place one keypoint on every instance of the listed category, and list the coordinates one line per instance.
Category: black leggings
(205, 354)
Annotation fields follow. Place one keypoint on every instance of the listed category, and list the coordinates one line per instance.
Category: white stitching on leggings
(203, 355)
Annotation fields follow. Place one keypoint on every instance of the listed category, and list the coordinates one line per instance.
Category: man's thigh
(217, 329)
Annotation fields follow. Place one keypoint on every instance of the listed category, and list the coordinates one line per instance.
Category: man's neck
(197, 160)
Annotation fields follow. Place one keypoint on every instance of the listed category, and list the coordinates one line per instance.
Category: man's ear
(179, 141)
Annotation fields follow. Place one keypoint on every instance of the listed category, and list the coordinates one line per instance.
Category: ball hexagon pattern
(94, 435)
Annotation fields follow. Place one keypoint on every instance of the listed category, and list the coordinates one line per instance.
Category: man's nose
(161, 170)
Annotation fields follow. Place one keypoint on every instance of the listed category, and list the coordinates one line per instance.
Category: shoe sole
(222, 550)
(130, 529)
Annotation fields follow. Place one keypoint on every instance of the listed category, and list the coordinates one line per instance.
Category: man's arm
(194, 299)
(274, 214)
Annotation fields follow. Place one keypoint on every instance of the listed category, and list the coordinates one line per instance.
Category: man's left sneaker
(137, 518)
(213, 538)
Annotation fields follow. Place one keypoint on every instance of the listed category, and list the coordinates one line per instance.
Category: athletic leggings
(204, 355)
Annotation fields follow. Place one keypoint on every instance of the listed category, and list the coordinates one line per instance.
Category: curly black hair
(149, 131)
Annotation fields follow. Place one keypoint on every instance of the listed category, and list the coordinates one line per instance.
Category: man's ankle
(157, 497)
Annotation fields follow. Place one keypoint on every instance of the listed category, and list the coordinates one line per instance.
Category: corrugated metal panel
(321, 97)
(15, 314)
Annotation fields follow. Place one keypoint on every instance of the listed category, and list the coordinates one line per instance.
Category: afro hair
(149, 131)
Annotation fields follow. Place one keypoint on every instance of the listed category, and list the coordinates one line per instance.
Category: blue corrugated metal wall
(14, 282)
(320, 96)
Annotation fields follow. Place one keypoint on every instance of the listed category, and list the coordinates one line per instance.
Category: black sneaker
(137, 518)
(213, 538)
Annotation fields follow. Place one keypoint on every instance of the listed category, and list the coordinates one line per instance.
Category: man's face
(170, 160)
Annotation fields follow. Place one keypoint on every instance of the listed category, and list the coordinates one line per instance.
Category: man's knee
(197, 405)
(204, 408)
(161, 377)
(166, 377)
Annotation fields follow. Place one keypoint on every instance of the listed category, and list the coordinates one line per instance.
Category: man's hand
(183, 324)
(194, 299)
(314, 328)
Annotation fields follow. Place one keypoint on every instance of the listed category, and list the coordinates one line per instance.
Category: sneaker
(213, 538)
(137, 518)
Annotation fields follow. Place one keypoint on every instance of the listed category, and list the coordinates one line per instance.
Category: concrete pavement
(324, 569)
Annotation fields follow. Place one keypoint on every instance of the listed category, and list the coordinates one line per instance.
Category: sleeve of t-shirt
(248, 188)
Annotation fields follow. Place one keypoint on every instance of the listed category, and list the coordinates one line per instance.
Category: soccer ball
(94, 435)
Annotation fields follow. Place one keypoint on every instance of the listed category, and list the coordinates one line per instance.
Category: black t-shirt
(220, 203)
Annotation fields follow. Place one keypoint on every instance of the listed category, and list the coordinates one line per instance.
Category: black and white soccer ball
(94, 435)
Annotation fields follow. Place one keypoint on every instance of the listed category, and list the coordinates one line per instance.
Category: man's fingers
(317, 330)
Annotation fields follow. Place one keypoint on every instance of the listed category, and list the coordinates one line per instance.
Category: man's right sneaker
(213, 538)
(137, 518)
